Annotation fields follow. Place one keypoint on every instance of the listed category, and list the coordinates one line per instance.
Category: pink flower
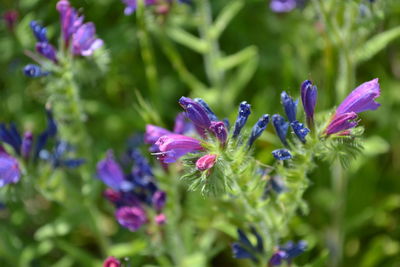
(206, 162)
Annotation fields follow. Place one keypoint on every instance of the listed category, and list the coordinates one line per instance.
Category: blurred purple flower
(70, 20)
(282, 6)
(159, 198)
(110, 172)
(26, 145)
(153, 133)
(131, 5)
(47, 50)
(10, 18)
(84, 41)
(195, 112)
(131, 217)
(309, 94)
(9, 169)
(161, 219)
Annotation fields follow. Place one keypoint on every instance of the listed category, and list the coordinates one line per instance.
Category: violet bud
(244, 113)
(219, 130)
(111, 262)
(210, 113)
(258, 128)
(206, 162)
(26, 146)
(281, 127)
(289, 105)
(34, 71)
(195, 112)
(309, 94)
(131, 218)
(110, 172)
(47, 50)
(282, 154)
(158, 200)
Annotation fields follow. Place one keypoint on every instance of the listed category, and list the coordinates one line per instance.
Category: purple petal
(342, 122)
(131, 217)
(361, 99)
(110, 172)
(9, 169)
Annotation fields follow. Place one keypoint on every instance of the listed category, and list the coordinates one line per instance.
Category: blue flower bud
(34, 71)
(39, 31)
(281, 127)
(244, 112)
(289, 105)
(210, 113)
(300, 131)
(282, 154)
(195, 112)
(258, 128)
(309, 94)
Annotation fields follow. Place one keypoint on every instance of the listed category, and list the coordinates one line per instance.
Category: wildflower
(174, 146)
(153, 133)
(159, 198)
(283, 6)
(57, 156)
(244, 113)
(70, 20)
(287, 252)
(111, 262)
(131, 217)
(281, 127)
(109, 171)
(289, 105)
(47, 50)
(84, 41)
(309, 94)
(258, 128)
(282, 154)
(181, 125)
(360, 99)
(34, 71)
(11, 137)
(210, 113)
(195, 112)
(219, 130)
(300, 131)
(161, 219)
(39, 31)
(9, 169)
(206, 162)
(10, 18)
(244, 249)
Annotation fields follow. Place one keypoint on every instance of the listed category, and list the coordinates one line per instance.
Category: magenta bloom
(9, 169)
(174, 146)
(84, 41)
(206, 162)
(109, 171)
(10, 18)
(153, 133)
(111, 262)
(158, 200)
(131, 217)
(360, 99)
(160, 219)
(219, 130)
(70, 20)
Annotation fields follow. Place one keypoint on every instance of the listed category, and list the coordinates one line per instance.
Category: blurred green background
(288, 48)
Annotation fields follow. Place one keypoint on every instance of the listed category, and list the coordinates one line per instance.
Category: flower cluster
(135, 195)
(27, 148)
(244, 249)
(78, 38)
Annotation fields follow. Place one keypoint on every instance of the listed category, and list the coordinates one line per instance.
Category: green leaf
(376, 44)
(190, 41)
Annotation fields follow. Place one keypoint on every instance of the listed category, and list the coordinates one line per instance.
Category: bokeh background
(284, 49)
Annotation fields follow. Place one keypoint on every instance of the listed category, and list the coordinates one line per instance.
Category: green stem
(147, 52)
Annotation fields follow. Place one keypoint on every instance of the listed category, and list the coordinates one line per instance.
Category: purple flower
(210, 113)
(84, 41)
(360, 99)
(131, 217)
(153, 133)
(70, 20)
(174, 146)
(277, 258)
(258, 128)
(282, 154)
(9, 169)
(300, 131)
(196, 113)
(131, 5)
(309, 94)
(110, 172)
(282, 6)
(46, 50)
(111, 262)
(244, 249)
(26, 145)
(39, 31)
(341, 123)
(287, 252)
(159, 198)
(206, 162)
(219, 130)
